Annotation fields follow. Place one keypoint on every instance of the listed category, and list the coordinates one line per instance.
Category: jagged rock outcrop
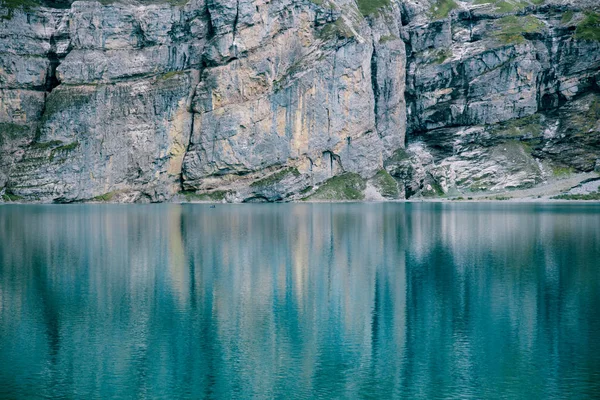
(246, 100)
(501, 96)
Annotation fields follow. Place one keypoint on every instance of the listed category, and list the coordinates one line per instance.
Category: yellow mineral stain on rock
(216, 100)
(299, 130)
(264, 125)
(178, 138)
(227, 151)
(281, 121)
(442, 92)
(306, 31)
(304, 166)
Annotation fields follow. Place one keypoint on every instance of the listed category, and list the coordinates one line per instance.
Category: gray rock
(246, 100)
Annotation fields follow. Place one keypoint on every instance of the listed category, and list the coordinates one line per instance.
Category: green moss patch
(584, 122)
(527, 127)
(386, 185)
(10, 131)
(46, 145)
(441, 55)
(387, 38)
(64, 99)
(105, 198)
(63, 149)
(336, 29)
(511, 29)
(567, 17)
(589, 28)
(169, 75)
(275, 178)
(11, 5)
(435, 191)
(507, 6)
(441, 8)
(8, 197)
(369, 7)
(306, 190)
(562, 171)
(348, 186)
(398, 156)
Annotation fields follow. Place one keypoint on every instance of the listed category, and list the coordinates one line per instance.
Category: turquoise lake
(402, 300)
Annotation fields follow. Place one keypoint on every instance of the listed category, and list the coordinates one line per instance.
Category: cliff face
(251, 100)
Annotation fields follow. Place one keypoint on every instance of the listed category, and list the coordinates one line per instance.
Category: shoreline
(409, 201)
(542, 194)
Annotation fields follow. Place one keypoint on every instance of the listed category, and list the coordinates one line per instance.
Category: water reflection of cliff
(329, 300)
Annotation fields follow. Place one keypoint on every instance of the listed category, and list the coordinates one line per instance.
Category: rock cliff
(280, 100)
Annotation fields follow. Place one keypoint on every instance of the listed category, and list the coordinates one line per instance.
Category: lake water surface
(416, 300)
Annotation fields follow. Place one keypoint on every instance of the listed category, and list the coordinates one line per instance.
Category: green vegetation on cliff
(589, 28)
(562, 171)
(275, 178)
(386, 184)
(10, 131)
(442, 55)
(25, 4)
(46, 145)
(369, 7)
(215, 197)
(508, 6)
(587, 196)
(62, 100)
(8, 196)
(441, 9)
(511, 29)
(529, 127)
(567, 17)
(585, 121)
(105, 198)
(67, 148)
(338, 28)
(349, 186)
